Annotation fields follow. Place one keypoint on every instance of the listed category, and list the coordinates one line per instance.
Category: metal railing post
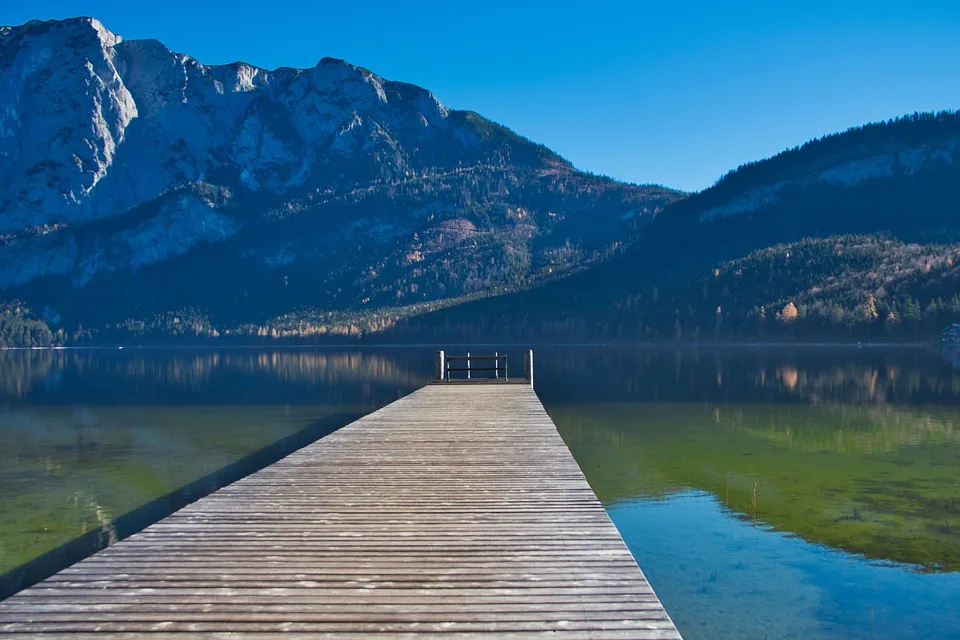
(528, 366)
(468, 365)
(441, 362)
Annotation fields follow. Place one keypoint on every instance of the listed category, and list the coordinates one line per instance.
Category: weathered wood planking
(455, 511)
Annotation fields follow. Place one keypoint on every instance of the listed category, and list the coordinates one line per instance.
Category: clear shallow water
(722, 577)
(767, 493)
(777, 493)
(69, 470)
(95, 445)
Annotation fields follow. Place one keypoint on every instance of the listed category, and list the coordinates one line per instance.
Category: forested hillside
(851, 237)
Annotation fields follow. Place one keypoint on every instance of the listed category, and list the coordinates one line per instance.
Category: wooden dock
(455, 512)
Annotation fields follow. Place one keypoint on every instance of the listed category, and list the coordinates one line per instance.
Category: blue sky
(673, 92)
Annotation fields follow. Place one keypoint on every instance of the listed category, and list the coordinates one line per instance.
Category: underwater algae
(876, 481)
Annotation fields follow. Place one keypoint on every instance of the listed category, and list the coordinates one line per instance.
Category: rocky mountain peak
(64, 110)
(77, 28)
(72, 88)
(127, 166)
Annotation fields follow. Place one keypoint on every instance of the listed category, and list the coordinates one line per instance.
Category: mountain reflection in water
(766, 492)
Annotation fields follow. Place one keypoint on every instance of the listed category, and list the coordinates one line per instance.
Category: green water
(71, 470)
(766, 493)
(99, 443)
(878, 481)
(776, 493)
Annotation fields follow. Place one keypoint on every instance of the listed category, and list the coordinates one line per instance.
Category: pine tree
(955, 306)
(911, 309)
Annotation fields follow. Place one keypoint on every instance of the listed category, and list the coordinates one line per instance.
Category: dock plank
(456, 511)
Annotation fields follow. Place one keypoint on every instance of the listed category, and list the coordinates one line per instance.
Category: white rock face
(63, 120)
(30, 258)
(180, 224)
(93, 127)
(179, 228)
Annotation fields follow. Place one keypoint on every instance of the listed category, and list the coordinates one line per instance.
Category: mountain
(138, 185)
(852, 236)
(897, 177)
(145, 196)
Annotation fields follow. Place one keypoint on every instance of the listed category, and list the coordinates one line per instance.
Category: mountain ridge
(329, 202)
(135, 180)
(695, 277)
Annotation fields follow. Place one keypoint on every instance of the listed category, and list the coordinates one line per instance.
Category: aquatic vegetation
(65, 473)
(879, 481)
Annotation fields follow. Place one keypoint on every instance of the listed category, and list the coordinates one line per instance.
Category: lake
(765, 492)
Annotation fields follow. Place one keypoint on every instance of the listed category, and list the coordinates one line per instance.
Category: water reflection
(776, 493)
(856, 449)
(766, 492)
(725, 579)
(98, 444)
(888, 489)
(137, 376)
(807, 375)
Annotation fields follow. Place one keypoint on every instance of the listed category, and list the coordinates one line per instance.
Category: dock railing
(448, 366)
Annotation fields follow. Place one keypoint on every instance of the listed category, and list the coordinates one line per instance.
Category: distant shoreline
(512, 345)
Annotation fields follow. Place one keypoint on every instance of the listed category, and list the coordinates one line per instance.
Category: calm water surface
(767, 493)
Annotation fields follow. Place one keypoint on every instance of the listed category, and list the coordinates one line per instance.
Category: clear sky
(674, 92)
